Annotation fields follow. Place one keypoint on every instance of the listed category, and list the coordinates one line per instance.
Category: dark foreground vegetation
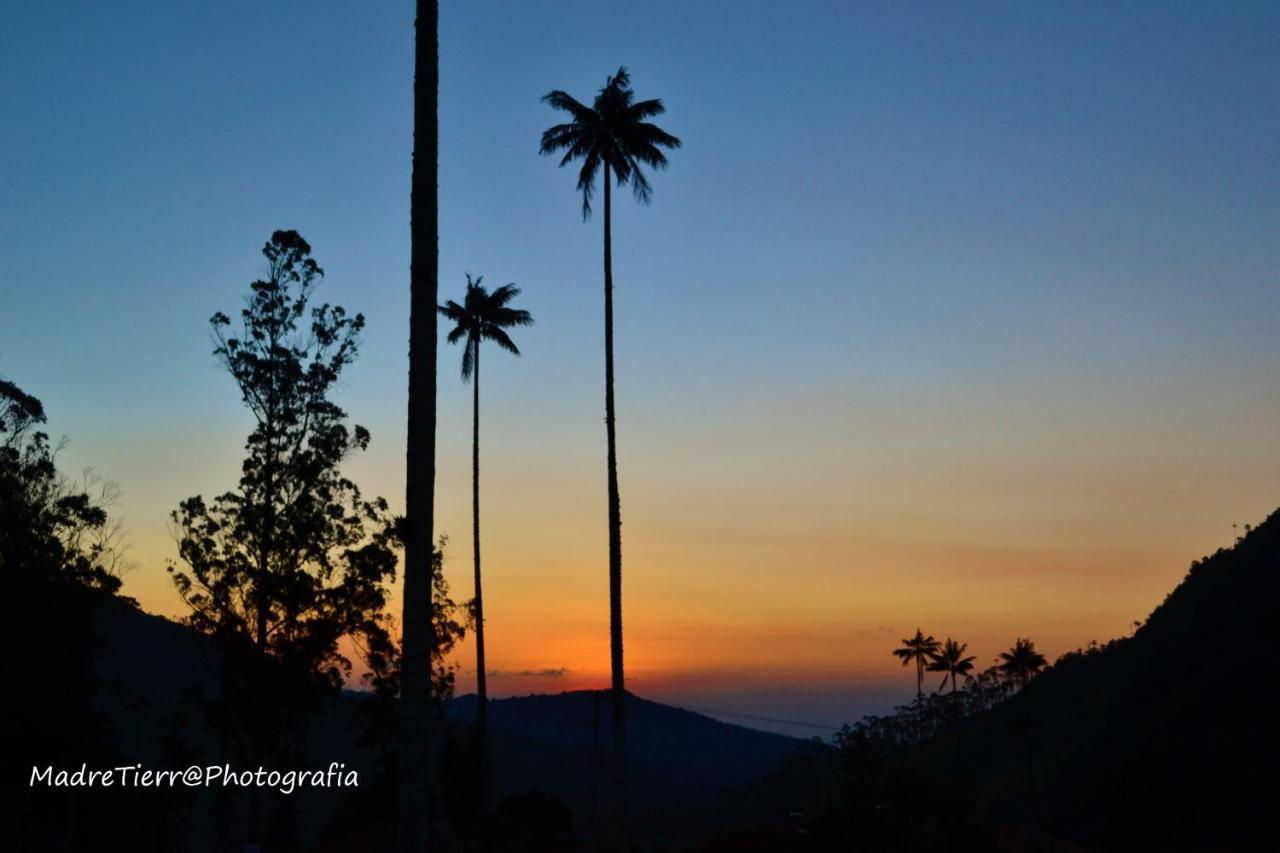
(1157, 741)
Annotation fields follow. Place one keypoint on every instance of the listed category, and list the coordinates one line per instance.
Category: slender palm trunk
(615, 538)
(482, 702)
(919, 678)
(419, 641)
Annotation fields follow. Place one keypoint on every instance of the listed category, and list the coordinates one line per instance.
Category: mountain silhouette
(548, 743)
(1162, 740)
(680, 762)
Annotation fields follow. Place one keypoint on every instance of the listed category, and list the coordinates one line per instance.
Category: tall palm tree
(613, 136)
(1022, 662)
(951, 659)
(921, 650)
(414, 805)
(482, 315)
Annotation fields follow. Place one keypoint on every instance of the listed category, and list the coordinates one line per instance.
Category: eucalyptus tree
(613, 138)
(286, 567)
(481, 316)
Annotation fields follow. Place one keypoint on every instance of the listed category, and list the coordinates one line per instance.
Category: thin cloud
(557, 672)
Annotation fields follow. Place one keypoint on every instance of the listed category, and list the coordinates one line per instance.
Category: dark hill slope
(677, 759)
(1163, 740)
(547, 743)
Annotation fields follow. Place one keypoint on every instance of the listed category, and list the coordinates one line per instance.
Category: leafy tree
(295, 559)
(1021, 663)
(986, 689)
(613, 136)
(414, 812)
(481, 316)
(378, 720)
(60, 564)
(51, 531)
(920, 650)
(951, 659)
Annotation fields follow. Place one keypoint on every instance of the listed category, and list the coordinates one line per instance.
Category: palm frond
(502, 295)
(504, 318)
(640, 187)
(645, 109)
(620, 81)
(468, 358)
(500, 338)
(610, 134)
(452, 311)
(483, 315)
(587, 180)
(561, 100)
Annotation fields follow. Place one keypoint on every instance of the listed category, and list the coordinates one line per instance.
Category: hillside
(1163, 740)
(680, 761)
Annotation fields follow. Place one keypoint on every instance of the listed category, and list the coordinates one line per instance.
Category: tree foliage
(1022, 662)
(612, 133)
(483, 316)
(952, 660)
(295, 559)
(919, 650)
(60, 562)
(51, 530)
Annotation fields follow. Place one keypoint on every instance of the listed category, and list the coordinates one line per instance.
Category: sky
(953, 317)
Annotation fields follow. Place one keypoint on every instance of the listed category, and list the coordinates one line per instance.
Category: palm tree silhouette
(611, 135)
(1022, 661)
(951, 659)
(418, 641)
(482, 315)
(920, 649)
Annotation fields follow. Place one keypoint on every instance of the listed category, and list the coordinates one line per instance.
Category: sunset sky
(962, 317)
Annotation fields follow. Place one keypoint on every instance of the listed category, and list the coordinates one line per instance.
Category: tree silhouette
(414, 812)
(482, 315)
(1022, 662)
(50, 529)
(921, 650)
(60, 561)
(378, 718)
(613, 136)
(951, 660)
(282, 569)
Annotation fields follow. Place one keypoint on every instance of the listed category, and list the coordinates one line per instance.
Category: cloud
(557, 672)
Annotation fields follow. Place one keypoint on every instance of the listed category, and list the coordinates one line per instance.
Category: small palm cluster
(1014, 667)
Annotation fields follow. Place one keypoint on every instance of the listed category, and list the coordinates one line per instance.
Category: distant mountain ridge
(549, 743)
(555, 744)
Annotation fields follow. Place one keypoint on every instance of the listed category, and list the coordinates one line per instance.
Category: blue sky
(913, 263)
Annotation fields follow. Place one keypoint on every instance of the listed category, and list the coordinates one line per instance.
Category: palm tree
(920, 649)
(418, 621)
(1022, 661)
(951, 660)
(611, 135)
(481, 315)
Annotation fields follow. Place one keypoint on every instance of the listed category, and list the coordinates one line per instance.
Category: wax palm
(1022, 662)
(921, 650)
(481, 316)
(951, 659)
(611, 135)
(418, 643)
